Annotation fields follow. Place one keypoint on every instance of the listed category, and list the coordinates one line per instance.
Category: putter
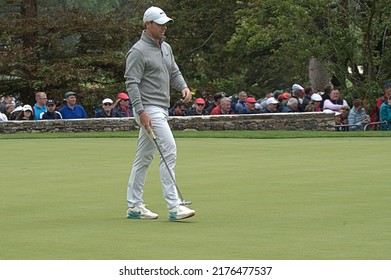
(183, 202)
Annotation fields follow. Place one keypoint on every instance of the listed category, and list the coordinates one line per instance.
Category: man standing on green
(150, 71)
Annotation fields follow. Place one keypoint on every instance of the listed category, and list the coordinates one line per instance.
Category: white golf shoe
(140, 212)
(179, 213)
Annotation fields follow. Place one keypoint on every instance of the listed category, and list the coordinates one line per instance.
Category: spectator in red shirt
(224, 108)
(216, 101)
(375, 115)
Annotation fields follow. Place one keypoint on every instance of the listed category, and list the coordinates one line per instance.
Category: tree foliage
(57, 49)
(281, 37)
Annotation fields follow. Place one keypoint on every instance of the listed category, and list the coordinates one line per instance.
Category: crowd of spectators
(47, 109)
(297, 99)
(352, 116)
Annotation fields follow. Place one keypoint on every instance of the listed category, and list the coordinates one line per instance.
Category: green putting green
(316, 198)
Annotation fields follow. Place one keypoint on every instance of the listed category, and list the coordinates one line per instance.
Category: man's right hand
(145, 120)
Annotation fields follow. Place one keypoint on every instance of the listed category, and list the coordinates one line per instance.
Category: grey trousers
(144, 156)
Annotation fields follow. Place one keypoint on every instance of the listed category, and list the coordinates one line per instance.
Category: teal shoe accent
(172, 216)
(134, 215)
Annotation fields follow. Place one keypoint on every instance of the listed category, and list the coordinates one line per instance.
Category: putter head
(185, 203)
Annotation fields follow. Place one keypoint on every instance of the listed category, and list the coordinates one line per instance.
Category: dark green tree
(224, 45)
(276, 40)
(56, 49)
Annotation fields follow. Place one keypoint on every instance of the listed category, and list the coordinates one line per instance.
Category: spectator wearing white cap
(339, 125)
(314, 105)
(15, 113)
(263, 100)
(27, 114)
(108, 110)
(271, 105)
(298, 92)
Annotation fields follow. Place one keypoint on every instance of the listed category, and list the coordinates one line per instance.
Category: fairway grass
(275, 199)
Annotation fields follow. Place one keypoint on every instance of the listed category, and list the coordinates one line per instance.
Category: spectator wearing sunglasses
(108, 110)
(179, 109)
(198, 108)
(51, 113)
(271, 106)
(123, 105)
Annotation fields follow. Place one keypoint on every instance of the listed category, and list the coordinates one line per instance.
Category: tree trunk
(319, 76)
(29, 12)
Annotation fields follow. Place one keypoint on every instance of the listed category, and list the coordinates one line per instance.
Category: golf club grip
(150, 132)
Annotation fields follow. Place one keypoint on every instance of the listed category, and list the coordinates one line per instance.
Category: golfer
(150, 71)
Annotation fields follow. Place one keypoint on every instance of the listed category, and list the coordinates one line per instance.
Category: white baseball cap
(316, 97)
(157, 15)
(271, 100)
(328, 111)
(27, 108)
(297, 87)
(107, 100)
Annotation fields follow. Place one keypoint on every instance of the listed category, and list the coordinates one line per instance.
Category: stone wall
(280, 121)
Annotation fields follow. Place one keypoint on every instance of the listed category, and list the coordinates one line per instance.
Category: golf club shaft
(150, 132)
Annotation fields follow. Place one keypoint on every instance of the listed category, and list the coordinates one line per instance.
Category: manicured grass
(269, 134)
(304, 198)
